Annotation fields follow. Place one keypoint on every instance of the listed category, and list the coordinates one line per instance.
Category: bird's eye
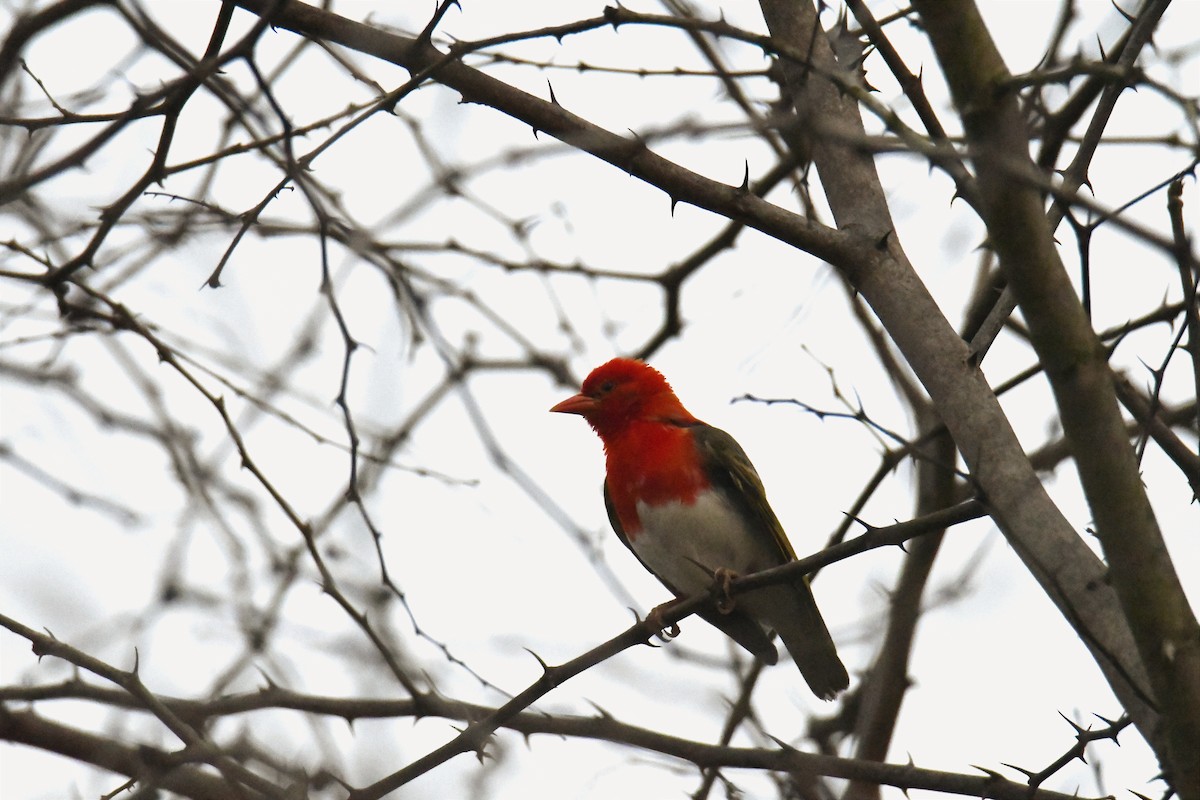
(607, 387)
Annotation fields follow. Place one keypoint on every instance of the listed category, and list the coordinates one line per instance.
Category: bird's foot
(722, 578)
(655, 620)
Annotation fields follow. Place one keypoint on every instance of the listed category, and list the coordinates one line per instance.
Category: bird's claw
(722, 578)
(655, 619)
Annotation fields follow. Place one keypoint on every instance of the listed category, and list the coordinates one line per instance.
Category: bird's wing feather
(793, 612)
(729, 469)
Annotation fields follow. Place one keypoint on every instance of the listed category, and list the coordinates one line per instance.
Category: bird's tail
(791, 610)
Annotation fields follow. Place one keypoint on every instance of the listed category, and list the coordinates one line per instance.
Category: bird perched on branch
(683, 496)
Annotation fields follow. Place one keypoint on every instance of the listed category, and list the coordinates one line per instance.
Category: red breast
(653, 463)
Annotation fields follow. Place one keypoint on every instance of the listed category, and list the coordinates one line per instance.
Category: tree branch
(1076, 364)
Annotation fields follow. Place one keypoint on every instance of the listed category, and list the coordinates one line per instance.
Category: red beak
(578, 404)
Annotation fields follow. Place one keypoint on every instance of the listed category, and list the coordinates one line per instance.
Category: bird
(683, 496)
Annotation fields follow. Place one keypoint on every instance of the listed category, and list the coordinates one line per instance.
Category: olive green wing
(737, 625)
(730, 471)
(789, 609)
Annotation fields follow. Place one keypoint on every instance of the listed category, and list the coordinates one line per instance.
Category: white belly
(685, 544)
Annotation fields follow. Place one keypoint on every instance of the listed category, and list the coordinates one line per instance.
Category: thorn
(745, 187)
(39, 649)
(553, 99)
(674, 202)
(991, 773)
(1078, 730)
(612, 14)
(1128, 17)
(782, 744)
(882, 243)
(600, 710)
(270, 683)
(868, 526)
(426, 35)
(1021, 770)
(545, 667)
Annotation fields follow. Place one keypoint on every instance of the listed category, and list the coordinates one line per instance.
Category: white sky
(486, 570)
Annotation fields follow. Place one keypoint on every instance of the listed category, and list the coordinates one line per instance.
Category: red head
(622, 391)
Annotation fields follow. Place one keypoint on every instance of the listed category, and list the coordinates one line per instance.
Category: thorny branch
(247, 187)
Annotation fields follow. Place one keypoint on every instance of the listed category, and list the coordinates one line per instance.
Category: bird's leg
(655, 619)
(722, 577)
